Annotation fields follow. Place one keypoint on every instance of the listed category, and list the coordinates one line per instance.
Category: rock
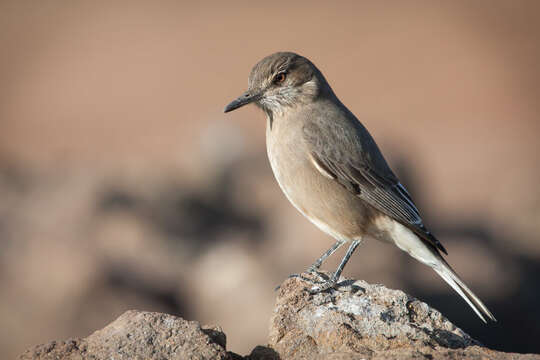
(355, 321)
(141, 335)
(363, 321)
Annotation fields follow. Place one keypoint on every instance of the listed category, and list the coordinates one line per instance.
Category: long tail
(449, 275)
(409, 242)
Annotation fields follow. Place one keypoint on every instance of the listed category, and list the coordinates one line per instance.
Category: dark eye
(279, 78)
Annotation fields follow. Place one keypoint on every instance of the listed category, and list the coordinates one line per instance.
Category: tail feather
(428, 254)
(448, 274)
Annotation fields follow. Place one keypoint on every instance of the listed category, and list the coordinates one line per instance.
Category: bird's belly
(323, 201)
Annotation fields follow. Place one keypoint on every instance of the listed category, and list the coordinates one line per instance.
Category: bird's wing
(364, 173)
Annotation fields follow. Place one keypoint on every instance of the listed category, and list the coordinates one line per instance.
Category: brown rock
(363, 321)
(356, 321)
(141, 335)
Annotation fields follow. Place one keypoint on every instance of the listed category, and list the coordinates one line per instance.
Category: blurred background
(124, 186)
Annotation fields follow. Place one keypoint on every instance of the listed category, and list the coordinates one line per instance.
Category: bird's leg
(333, 280)
(317, 264)
(321, 280)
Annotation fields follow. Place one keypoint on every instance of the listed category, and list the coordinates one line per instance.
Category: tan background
(123, 185)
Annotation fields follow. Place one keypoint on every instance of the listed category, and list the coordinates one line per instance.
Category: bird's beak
(244, 99)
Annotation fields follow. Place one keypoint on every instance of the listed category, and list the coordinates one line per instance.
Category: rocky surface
(355, 321)
(141, 335)
(364, 321)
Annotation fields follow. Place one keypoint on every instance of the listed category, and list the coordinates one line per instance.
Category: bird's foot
(313, 271)
(313, 277)
(314, 268)
(326, 285)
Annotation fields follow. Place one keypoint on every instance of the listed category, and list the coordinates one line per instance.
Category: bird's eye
(279, 78)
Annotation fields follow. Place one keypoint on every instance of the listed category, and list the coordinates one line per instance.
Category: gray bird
(333, 172)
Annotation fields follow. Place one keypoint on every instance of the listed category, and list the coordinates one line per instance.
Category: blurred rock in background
(124, 186)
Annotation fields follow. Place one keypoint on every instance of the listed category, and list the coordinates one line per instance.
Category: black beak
(244, 99)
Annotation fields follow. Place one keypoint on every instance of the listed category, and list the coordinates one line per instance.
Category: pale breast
(322, 200)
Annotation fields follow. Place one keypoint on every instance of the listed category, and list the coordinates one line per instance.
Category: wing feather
(364, 173)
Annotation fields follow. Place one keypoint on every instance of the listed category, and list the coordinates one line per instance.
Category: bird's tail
(449, 275)
(408, 241)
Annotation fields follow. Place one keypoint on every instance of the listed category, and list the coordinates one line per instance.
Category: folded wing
(364, 173)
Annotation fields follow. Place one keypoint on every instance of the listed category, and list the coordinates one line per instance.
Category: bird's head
(279, 81)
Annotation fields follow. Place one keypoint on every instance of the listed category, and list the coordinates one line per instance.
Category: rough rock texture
(363, 321)
(141, 335)
(356, 321)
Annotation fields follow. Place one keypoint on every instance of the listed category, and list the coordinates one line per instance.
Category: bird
(332, 171)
